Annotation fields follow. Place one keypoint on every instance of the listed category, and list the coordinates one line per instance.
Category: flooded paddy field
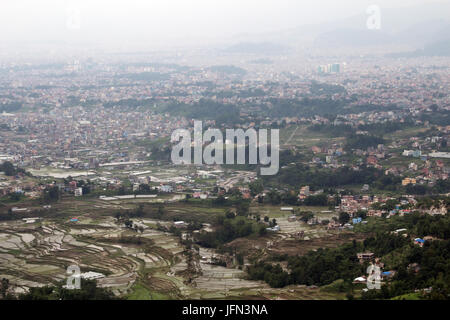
(38, 254)
(148, 263)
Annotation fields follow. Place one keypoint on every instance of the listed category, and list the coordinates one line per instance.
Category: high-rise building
(335, 67)
(329, 68)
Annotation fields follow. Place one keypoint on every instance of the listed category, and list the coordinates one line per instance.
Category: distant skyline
(168, 21)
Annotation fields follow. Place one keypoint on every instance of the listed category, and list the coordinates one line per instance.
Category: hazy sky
(51, 20)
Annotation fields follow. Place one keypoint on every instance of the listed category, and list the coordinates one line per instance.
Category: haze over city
(168, 23)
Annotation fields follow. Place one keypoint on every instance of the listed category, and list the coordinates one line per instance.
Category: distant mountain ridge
(437, 49)
(415, 26)
(257, 48)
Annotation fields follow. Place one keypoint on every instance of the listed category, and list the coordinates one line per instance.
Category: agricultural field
(151, 263)
(300, 136)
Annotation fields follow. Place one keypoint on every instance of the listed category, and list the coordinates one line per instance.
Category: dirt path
(291, 136)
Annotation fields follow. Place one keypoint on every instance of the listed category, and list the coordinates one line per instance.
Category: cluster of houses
(387, 275)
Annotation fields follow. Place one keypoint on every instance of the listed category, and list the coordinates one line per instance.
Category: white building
(445, 155)
(78, 192)
(90, 275)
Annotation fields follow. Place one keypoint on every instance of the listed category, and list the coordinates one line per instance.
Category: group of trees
(140, 211)
(433, 201)
(385, 127)
(10, 106)
(317, 200)
(229, 227)
(10, 170)
(51, 194)
(362, 141)
(4, 293)
(318, 88)
(332, 130)
(88, 291)
(145, 189)
(230, 114)
(291, 198)
(427, 225)
(305, 107)
(323, 106)
(441, 118)
(319, 267)
(441, 186)
(433, 260)
(325, 266)
(375, 129)
(300, 175)
(271, 274)
(205, 109)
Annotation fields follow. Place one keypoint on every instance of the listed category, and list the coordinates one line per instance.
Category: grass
(405, 133)
(305, 138)
(408, 296)
(376, 224)
(275, 211)
(140, 293)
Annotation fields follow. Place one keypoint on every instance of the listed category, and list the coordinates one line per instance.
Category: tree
(8, 168)
(160, 212)
(262, 230)
(128, 223)
(390, 204)
(344, 217)
(242, 208)
(230, 214)
(139, 212)
(240, 259)
(52, 194)
(15, 196)
(86, 189)
(256, 187)
(219, 201)
(144, 188)
(121, 191)
(319, 200)
(416, 189)
(4, 287)
(88, 291)
(274, 197)
(220, 220)
(362, 214)
(290, 198)
(306, 215)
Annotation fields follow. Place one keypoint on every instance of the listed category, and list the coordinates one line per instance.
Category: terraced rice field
(38, 254)
(155, 267)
